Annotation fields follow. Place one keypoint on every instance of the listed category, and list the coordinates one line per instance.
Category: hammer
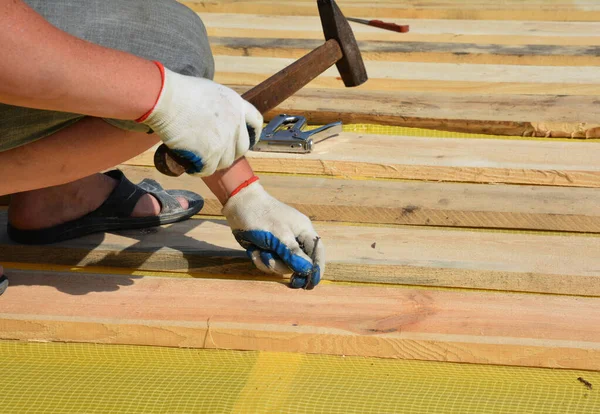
(340, 48)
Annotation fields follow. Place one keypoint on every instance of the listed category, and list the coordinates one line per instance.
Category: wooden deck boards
(473, 327)
(420, 264)
(544, 10)
(418, 203)
(359, 156)
(549, 263)
(434, 65)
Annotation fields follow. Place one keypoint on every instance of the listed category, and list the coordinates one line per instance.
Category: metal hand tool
(285, 133)
(340, 49)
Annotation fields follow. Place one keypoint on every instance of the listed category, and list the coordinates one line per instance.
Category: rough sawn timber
(547, 263)
(352, 155)
(428, 77)
(403, 50)
(421, 324)
(548, 10)
(488, 32)
(412, 203)
(482, 114)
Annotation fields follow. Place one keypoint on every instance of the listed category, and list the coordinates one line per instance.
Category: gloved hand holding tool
(202, 122)
(278, 238)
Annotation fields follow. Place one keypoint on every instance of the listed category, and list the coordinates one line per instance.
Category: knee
(190, 44)
(163, 30)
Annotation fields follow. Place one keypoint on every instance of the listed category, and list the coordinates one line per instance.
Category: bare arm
(224, 182)
(45, 68)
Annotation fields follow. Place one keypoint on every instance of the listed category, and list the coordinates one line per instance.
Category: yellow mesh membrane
(85, 378)
(432, 133)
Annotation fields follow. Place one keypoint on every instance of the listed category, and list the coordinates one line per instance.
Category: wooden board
(526, 115)
(401, 255)
(351, 155)
(403, 50)
(359, 106)
(546, 10)
(451, 326)
(433, 204)
(421, 30)
(427, 77)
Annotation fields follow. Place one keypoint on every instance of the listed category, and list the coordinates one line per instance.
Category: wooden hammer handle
(266, 96)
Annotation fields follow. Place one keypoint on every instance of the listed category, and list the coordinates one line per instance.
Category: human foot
(47, 207)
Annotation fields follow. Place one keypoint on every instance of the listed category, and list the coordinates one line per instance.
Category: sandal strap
(169, 204)
(122, 200)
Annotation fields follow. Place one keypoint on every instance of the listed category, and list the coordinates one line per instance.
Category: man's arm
(43, 67)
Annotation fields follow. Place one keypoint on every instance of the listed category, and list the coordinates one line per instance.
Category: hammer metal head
(335, 26)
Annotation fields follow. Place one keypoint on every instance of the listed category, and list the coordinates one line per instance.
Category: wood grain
(587, 11)
(421, 30)
(434, 204)
(450, 326)
(403, 50)
(481, 114)
(427, 77)
(393, 108)
(402, 255)
(352, 155)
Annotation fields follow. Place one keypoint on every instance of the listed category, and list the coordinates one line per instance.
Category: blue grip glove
(278, 238)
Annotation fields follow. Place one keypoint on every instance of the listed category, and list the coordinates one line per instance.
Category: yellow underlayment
(84, 378)
(433, 133)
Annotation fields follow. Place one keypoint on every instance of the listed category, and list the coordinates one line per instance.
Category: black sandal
(114, 214)
(3, 284)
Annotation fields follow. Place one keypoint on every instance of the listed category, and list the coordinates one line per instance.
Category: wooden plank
(351, 155)
(401, 255)
(421, 30)
(392, 107)
(481, 114)
(403, 50)
(428, 77)
(417, 324)
(570, 11)
(433, 204)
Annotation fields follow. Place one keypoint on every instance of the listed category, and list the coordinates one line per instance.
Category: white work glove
(204, 122)
(278, 238)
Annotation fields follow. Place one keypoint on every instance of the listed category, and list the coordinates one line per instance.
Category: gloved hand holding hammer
(90, 96)
(278, 238)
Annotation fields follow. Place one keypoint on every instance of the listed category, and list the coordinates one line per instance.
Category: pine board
(418, 324)
(409, 203)
(435, 78)
(403, 50)
(497, 111)
(421, 30)
(527, 115)
(402, 255)
(351, 155)
(547, 10)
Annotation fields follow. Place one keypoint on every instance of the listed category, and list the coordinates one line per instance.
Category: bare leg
(56, 178)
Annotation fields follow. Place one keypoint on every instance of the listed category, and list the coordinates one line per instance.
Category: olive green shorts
(162, 30)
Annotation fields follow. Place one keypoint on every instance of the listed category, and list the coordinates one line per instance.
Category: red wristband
(243, 185)
(162, 85)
